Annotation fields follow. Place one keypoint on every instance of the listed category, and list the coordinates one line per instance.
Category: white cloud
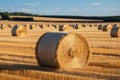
(8, 9)
(31, 4)
(97, 3)
(115, 3)
(115, 9)
(100, 11)
(26, 10)
(74, 10)
(60, 11)
(107, 9)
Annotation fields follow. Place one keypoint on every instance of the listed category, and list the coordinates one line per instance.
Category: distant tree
(23, 14)
(5, 16)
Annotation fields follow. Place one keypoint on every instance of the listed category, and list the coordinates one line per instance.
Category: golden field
(18, 59)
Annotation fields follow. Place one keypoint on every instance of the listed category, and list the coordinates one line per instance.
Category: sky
(63, 7)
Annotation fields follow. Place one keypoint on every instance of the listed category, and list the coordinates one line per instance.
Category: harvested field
(18, 60)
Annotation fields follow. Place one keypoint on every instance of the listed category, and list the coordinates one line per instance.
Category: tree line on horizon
(6, 16)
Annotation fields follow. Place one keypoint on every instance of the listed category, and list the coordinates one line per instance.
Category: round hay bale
(95, 25)
(90, 25)
(83, 25)
(115, 32)
(27, 26)
(19, 31)
(49, 25)
(55, 26)
(86, 25)
(72, 26)
(33, 27)
(99, 27)
(115, 25)
(107, 27)
(45, 26)
(41, 26)
(77, 26)
(62, 50)
(3, 27)
(10, 25)
(64, 27)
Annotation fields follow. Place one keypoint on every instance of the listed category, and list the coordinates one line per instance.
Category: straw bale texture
(64, 27)
(3, 27)
(77, 26)
(95, 25)
(99, 27)
(19, 31)
(10, 25)
(45, 26)
(84, 25)
(117, 25)
(32, 27)
(55, 26)
(62, 50)
(41, 26)
(107, 27)
(90, 25)
(115, 32)
(27, 26)
(49, 25)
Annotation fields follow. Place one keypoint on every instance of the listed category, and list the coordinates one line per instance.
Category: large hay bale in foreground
(115, 32)
(64, 27)
(107, 27)
(19, 30)
(62, 50)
